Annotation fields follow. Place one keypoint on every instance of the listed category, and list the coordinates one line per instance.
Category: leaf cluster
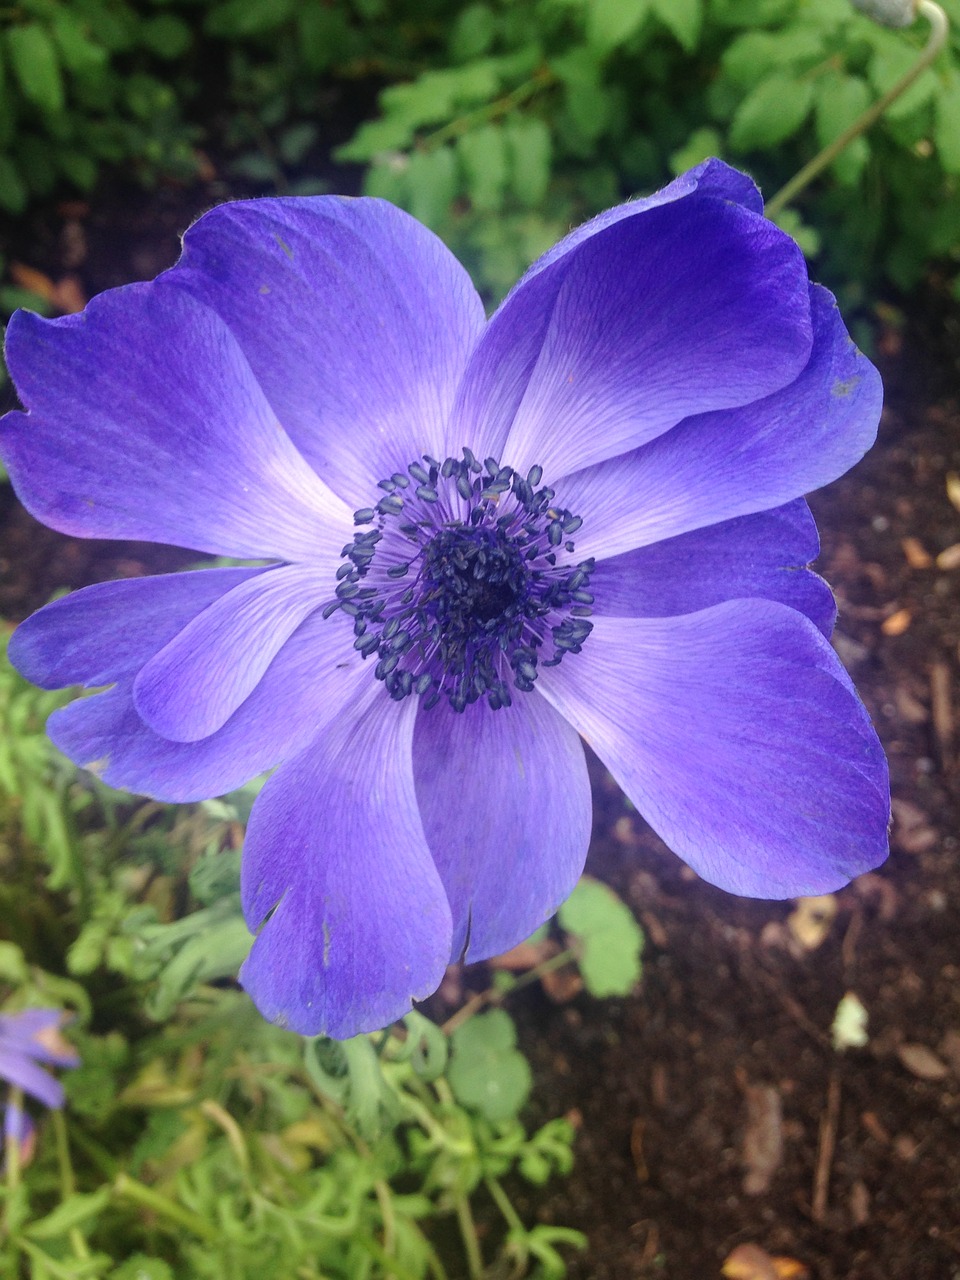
(538, 115)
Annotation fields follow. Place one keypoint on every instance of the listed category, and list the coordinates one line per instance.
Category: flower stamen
(457, 589)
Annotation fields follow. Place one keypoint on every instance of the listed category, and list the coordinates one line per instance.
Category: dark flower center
(465, 583)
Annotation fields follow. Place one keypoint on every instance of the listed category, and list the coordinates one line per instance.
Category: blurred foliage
(498, 122)
(197, 1139)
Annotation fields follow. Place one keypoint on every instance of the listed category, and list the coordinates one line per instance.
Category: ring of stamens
(455, 587)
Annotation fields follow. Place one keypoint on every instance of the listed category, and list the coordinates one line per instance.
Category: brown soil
(713, 1111)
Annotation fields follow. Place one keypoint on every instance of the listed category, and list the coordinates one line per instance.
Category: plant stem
(129, 1189)
(43, 1260)
(493, 996)
(939, 30)
(12, 1145)
(540, 80)
(470, 1242)
(67, 1181)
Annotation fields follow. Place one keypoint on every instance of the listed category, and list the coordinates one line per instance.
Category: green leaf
(140, 1267)
(487, 1073)
(166, 36)
(386, 179)
(13, 192)
(610, 938)
(893, 59)
(325, 37)
(472, 33)
(247, 17)
(751, 56)
(483, 155)
(70, 1213)
(529, 147)
(611, 22)
(750, 13)
(701, 144)
(808, 238)
(840, 100)
(79, 53)
(432, 183)
(376, 138)
(946, 130)
(218, 952)
(683, 18)
(771, 113)
(13, 966)
(36, 65)
(296, 141)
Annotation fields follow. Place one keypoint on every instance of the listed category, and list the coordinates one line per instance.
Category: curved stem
(939, 30)
(128, 1188)
(468, 1233)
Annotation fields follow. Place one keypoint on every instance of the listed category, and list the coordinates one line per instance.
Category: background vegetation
(497, 122)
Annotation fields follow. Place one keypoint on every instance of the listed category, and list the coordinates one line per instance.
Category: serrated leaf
(610, 938)
(36, 65)
(610, 22)
(683, 18)
(486, 1071)
(771, 113)
(483, 154)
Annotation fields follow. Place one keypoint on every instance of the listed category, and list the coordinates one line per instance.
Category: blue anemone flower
(26, 1040)
(486, 541)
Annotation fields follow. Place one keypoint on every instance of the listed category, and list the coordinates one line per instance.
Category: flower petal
(193, 685)
(357, 923)
(23, 1073)
(311, 679)
(146, 423)
(505, 802)
(499, 370)
(725, 464)
(738, 736)
(36, 1033)
(756, 555)
(101, 633)
(682, 308)
(356, 320)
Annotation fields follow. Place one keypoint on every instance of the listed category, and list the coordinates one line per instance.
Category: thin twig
(939, 30)
(828, 1143)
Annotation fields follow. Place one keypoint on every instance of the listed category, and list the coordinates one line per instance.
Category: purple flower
(26, 1040)
(583, 518)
